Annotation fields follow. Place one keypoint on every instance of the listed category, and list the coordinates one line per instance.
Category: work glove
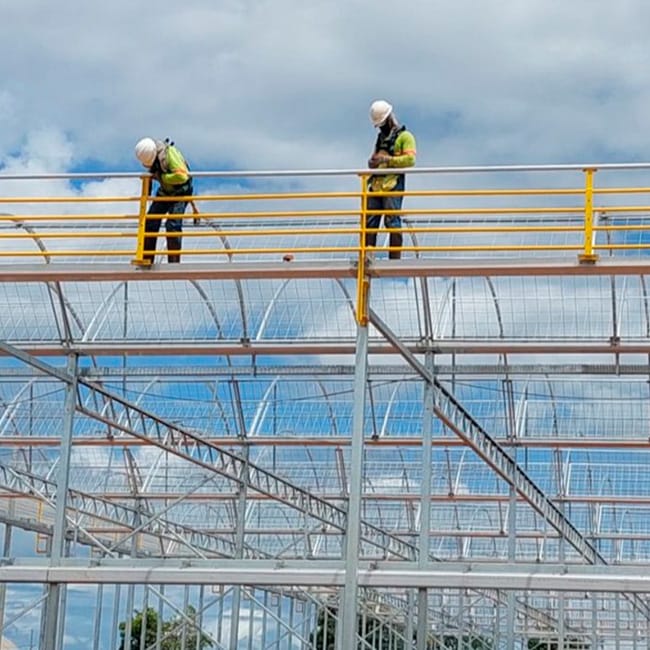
(378, 160)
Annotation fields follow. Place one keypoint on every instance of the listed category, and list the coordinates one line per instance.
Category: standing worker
(167, 165)
(395, 147)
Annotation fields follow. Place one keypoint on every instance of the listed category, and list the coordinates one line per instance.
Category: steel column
(6, 550)
(49, 628)
(425, 508)
(240, 531)
(346, 630)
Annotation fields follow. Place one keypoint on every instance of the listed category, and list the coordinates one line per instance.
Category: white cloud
(284, 84)
(44, 150)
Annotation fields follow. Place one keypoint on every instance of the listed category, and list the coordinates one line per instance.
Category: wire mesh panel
(217, 432)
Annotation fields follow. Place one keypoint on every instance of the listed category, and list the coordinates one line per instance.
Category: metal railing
(455, 212)
(441, 216)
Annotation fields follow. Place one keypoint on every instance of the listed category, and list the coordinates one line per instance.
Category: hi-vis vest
(172, 169)
(388, 182)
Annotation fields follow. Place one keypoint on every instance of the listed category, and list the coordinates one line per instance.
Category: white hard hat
(145, 151)
(379, 112)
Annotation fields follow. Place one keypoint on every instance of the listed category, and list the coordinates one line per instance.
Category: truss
(218, 434)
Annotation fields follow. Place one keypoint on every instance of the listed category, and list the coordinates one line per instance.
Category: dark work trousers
(390, 221)
(173, 225)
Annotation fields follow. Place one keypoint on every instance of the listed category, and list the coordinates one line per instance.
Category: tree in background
(376, 633)
(554, 644)
(381, 636)
(466, 643)
(172, 631)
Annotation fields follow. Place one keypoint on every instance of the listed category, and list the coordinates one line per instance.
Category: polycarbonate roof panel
(467, 496)
(521, 308)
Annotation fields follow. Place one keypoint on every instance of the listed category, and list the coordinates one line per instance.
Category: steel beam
(406, 575)
(347, 628)
(343, 372)
(295, 348)
(129, 418)
(50, 631)
(308, 440)
(424, 539)
(479, 266)
(20, 481)
(136, 422)
(460, 421)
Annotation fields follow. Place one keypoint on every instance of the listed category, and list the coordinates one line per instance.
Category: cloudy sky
(286, 84)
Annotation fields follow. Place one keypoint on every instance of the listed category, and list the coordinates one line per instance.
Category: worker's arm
(405, 151)
(178, 173)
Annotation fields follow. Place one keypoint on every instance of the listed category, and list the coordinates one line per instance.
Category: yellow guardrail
(466, 211)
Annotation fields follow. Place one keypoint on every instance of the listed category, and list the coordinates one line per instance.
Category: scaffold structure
(289, 441)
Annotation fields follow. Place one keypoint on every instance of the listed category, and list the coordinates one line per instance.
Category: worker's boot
(173, 244)
(371, 243)
(149, 250)
(395, 242)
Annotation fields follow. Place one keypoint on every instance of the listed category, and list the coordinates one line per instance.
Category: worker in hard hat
(168, 166)
(395, 147)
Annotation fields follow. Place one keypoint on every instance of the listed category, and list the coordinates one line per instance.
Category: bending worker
(167, 165)
(395, 147)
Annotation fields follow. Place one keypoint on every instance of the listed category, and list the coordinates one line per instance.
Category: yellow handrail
(363, 281)
(142, 216)
(588, 255)
(444, 214)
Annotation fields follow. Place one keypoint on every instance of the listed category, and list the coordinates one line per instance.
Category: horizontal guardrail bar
(347, 172)
(454, 220)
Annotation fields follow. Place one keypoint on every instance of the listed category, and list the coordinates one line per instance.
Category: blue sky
(283, 84)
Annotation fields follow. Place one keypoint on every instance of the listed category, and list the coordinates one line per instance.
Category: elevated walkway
(239, 395)
(332, 269)
(457, 222)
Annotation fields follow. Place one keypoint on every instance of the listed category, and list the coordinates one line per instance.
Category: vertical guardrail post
(139, 260)
(588, 256)
(363, 281)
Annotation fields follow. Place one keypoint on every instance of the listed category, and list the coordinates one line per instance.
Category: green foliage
(466, 643)
(553, 644)
(324, 636)
(382, 637)
(171, 633)
(377, 634)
